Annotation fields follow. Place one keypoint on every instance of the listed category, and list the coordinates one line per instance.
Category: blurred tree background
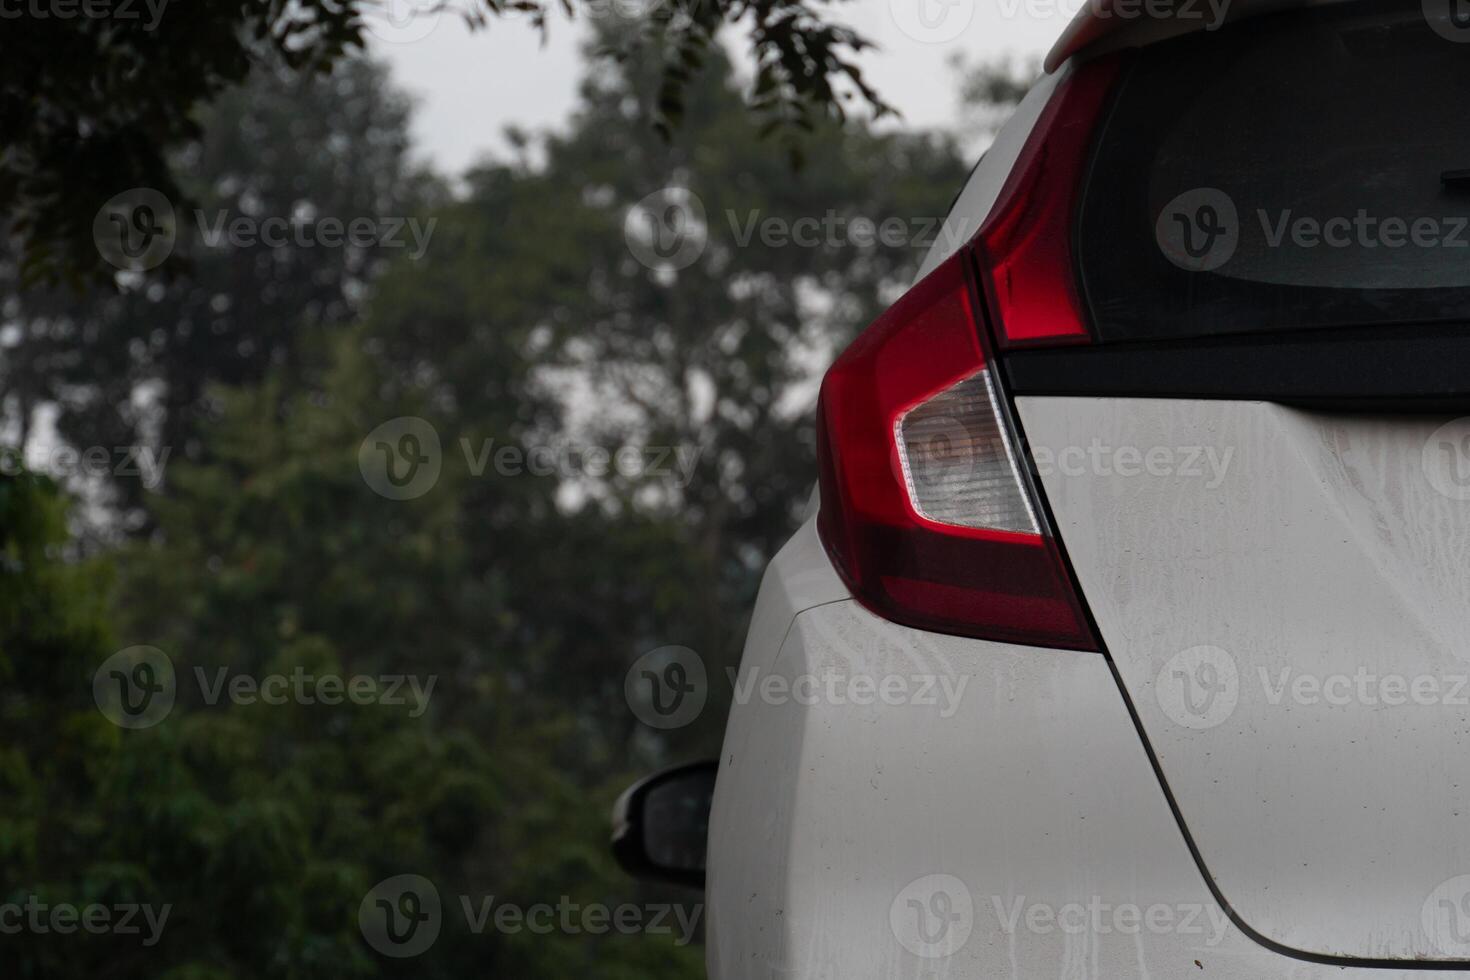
(534, 318)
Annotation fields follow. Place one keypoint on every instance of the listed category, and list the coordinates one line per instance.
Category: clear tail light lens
(958, 466)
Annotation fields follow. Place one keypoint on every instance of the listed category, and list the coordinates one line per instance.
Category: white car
(1130, 636)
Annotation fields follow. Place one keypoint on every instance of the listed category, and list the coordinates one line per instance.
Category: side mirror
(661, 825)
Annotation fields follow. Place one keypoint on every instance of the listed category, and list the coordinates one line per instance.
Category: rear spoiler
(1113, 24)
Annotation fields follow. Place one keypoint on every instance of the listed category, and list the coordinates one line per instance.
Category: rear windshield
(1297, 171)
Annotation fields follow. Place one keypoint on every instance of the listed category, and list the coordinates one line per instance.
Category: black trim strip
(1410, 369)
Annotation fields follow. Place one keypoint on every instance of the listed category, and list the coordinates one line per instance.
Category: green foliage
(93, 105)
(285, 145)
(529, 322)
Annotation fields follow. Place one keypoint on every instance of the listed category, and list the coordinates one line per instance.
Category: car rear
(1162, 483)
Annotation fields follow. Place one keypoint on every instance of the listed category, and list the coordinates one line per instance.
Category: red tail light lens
(926, 507)
(1026, 244)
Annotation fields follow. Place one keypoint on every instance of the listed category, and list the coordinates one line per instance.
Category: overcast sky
(470, 86)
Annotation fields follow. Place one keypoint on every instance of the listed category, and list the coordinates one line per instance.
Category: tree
(542, 270)
(131, 368)
(94, 103)
(288, 561)
(541, 310)
(251, 832)
(990, 91)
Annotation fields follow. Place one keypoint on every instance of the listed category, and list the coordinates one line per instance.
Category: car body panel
(1035, 793)
(1034, 786)
(1290, 623)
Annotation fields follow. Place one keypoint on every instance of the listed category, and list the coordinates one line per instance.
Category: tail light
(926, 507)
(1026, 244)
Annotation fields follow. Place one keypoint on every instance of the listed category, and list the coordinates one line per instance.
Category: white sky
(471, 85)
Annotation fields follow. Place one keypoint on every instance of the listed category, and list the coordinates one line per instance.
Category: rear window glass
(1296, 171)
